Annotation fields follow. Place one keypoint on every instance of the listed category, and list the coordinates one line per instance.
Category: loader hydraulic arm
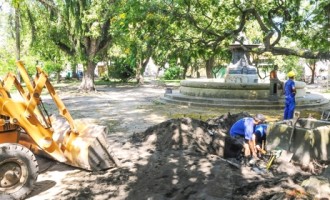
(40, 82)
(76, 143)
(11, 80)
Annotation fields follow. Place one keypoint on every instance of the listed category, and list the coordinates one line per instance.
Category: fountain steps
(309, 100)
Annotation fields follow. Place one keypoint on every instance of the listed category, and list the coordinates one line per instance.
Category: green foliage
(30, 65)
(310, 24)
(219, 71)
(7, 64)
(291, 63)
(105, 77)
(121, 70)
(173, 73)
(168, 31)
(52, 67)
(7, 49)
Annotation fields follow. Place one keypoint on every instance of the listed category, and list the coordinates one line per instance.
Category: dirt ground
(169, 152)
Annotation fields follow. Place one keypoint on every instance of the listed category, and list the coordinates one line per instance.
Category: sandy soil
(168, 152)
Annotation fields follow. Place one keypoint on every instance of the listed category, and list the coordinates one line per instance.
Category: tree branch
(106, 40)
(49, 4)
(300, 53)
(32, 24)
(65, 48)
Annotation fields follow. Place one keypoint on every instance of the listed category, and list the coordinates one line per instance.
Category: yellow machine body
(26, 121)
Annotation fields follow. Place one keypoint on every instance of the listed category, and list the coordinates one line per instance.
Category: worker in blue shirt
(290, 93)
(244, 129)
(259, 138)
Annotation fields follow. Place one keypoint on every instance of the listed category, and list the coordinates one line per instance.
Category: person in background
(275, 84)
(243, 130)
(290, 93)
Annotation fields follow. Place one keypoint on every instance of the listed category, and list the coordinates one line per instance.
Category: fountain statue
(239, 69)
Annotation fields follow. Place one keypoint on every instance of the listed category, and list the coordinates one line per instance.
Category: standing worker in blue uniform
(244, 129)
(290, 93)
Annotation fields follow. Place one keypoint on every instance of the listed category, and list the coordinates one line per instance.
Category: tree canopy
(187, 30)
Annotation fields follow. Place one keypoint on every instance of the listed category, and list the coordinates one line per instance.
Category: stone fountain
(240, 89)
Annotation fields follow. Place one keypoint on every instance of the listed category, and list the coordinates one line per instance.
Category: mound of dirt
(187, 162)
(193, 136)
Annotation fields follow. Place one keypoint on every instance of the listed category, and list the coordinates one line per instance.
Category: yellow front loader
(27, 129)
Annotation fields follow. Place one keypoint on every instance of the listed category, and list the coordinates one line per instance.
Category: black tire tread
(33, 167)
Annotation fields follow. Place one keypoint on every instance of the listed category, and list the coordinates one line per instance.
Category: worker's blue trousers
(290, 105)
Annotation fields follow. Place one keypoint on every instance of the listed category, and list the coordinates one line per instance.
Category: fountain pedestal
(239, 70)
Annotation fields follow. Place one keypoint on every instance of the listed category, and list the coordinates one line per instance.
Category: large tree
(193, 28)
(81, 29)
(143, 32)
(287, 27)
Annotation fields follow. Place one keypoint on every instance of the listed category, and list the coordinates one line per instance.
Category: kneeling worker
(244, 129)
(259, 138)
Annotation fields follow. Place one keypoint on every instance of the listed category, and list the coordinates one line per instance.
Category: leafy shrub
(51, 67)
(173, 73)
(121, 70)
(105, 77)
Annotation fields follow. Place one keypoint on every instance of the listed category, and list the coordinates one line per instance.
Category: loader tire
(18, 170)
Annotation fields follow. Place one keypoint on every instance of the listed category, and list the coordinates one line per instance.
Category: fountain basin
(217, 89)
(214, 93)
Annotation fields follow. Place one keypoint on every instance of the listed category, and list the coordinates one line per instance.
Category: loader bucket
(85, 148)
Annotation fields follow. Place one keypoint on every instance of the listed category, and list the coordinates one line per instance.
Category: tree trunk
(185, 69)
(312, 67)
(313, 77)
(209, 67)
(138, 75)
(87, 83)
(58, 77)
(140, 70)
(17, 34)
(73, 66)
(18, 38)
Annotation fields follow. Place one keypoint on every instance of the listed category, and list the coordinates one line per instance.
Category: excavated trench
(181, 144)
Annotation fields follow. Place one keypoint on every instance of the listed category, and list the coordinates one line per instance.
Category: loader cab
(8, 132)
